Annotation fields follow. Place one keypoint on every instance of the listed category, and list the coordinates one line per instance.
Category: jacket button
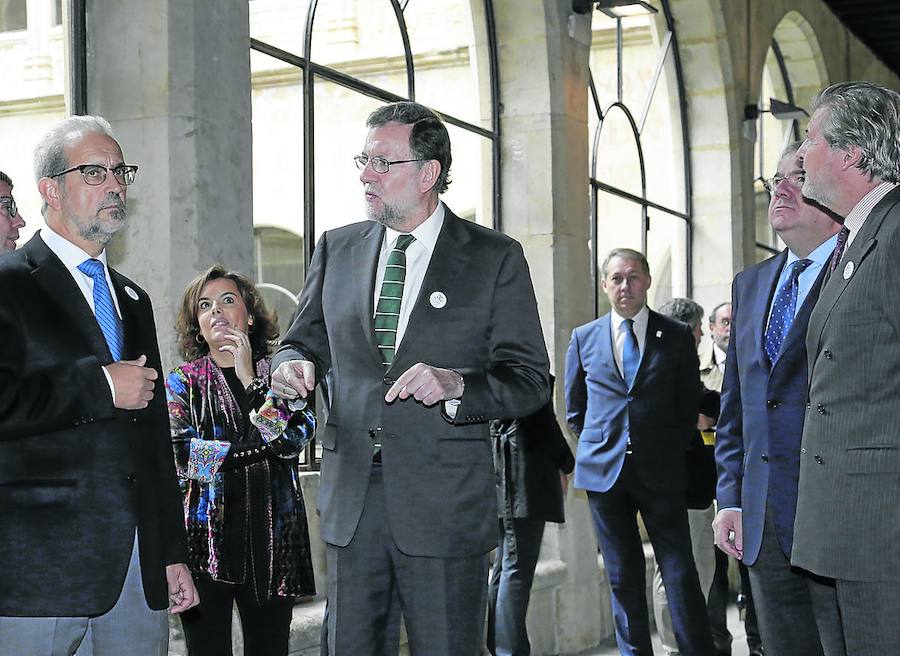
(131, 478)
(387, 380)
(772, 404)
(820, 408)
(765, 458)
(808, 405)
(819, 460)
(827, 354)
(803, 449)
(372, 432)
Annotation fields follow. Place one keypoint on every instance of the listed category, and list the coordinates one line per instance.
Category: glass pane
(662, 142)
(12, 15)
(471, 192)
(277, 111)
(618, 163)
(638, 58)
(281, 23)
(667, 254)
(340, 133)
(57, 12)
(361, 38)
(451, 58)
(618, 224)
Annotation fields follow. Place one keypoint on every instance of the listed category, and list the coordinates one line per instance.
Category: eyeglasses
(9, 204)
(794, 179)
(380, 164)
(95, 174)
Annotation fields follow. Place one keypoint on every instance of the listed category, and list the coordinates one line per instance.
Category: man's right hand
(294, 378)
(728, 530)
(132, 382)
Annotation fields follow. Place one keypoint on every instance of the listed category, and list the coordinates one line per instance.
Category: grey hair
(790, 149)
(715, 310)
(867, 116)
(626, 254)
(684, 310)
(5, 179)
(49, 154)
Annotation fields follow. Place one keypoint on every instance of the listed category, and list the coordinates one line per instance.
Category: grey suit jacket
(848, 507)
(438, 476)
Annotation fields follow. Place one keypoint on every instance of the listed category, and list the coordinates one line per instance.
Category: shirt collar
(425, 233)
(70, 254)
(640, 319)
(820, 255)
(861, 210)
(718, 354)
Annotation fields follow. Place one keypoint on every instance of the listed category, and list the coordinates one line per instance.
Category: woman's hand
(243, 355)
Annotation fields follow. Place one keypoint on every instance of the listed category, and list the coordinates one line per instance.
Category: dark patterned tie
(631, 352)
(838, 249)
(783, 308)
(387, 311)
(104, 308)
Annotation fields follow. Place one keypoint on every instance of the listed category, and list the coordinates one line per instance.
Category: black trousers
(207, 626)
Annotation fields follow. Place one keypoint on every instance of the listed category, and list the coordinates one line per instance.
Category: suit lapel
(765, 291)
(364, 254)
(797, 331)
(51, 275)
(836, 283)
(444, 269)
(655, 334)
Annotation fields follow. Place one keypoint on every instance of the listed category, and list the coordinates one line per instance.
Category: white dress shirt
(71, 256)
(618, 336)
(719, 357)
(418, 256)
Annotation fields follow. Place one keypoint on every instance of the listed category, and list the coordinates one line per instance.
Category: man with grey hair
(848, 516)
(11, 219)
(632, 398)
(90, 511)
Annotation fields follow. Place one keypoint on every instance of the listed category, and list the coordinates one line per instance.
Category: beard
(815, 191)
(99, 230)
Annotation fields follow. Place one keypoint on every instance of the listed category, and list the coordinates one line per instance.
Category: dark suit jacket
(761, 421)
(438, 476)
(848, 508)
(76, 474)
(660, 409)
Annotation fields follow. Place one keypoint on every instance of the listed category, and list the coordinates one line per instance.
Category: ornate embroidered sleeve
(284, 430)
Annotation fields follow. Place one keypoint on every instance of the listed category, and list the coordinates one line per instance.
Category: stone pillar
(544, 95)
(173, 78)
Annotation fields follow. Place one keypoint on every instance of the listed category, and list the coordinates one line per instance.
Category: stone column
(173, 78)
(543, 88)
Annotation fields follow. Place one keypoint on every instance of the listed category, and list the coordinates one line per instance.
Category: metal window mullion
(77, 37)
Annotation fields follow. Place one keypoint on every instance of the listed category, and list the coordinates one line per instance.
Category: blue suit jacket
(659, 411)
(761, 420)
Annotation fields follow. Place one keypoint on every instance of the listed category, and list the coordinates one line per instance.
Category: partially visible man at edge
(11, 219)
(848, 515)
(90, 513)
(763, 404)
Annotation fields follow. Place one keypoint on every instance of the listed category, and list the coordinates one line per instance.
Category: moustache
(113, 201)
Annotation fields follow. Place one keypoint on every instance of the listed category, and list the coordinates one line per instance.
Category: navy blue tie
(631, 352)
(783, 309)
(104, 308)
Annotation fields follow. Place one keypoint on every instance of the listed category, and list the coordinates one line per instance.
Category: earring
(249, 321)
(199, 338)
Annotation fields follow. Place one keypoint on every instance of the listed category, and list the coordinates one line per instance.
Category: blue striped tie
(104, 309)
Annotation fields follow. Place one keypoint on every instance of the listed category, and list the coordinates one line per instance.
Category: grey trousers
(130, 628)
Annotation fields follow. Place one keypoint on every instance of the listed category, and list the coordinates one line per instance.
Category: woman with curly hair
(236, 448)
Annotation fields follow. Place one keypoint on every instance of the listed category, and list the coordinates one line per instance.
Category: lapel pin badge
(131, 293)
(658, 333)
(437, 300)
(848, 270)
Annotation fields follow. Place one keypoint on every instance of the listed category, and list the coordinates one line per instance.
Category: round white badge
(848, 270)
(437, 300)
(131, 293)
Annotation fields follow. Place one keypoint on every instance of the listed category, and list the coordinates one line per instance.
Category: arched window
(640, 169)
(319, 67)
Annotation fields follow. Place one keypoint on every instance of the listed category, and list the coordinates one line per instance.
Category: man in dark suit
(90, 513)
(848, 516)
(632, 397)
(763, 403)
(428, 327)
(11, 219)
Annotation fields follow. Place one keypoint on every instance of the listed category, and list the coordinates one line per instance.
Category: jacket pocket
(873, 460)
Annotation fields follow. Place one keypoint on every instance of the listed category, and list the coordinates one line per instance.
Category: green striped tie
(387, 312)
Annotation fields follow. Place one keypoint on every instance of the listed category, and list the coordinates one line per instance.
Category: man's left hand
(427, 384)
(182, 592)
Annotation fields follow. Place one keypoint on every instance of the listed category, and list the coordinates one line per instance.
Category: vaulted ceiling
(876, 23)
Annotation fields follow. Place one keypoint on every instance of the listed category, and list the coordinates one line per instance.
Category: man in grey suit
(428, 327)
(847, 526)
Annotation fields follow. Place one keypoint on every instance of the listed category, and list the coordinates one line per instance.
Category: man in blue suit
(632, 397)
(763, 404)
